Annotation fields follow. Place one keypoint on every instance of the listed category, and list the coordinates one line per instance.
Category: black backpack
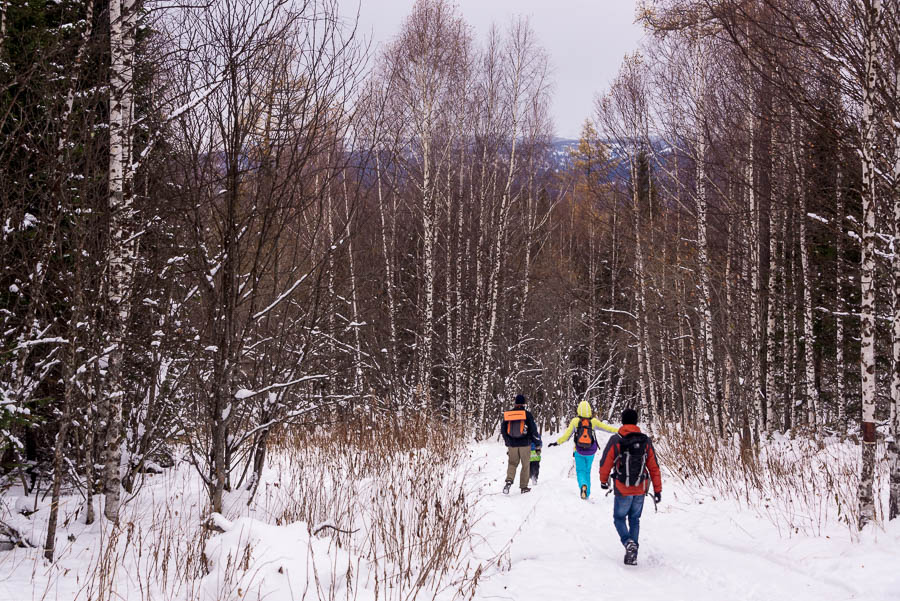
(584, 435)
(631, 464)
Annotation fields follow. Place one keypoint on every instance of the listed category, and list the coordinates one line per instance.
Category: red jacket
(611, 452)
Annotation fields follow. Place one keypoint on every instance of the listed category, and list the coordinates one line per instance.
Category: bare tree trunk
(641, 304)
(64, 423)
(812, 394)
(120, 258)
(387, 250)
(867, 264)
(840, 309)
(893, 449)
(757, 397)
(728, 391)
(787, 317)
(702, 207)
(354, 303)
(428, 234)
(775, 274)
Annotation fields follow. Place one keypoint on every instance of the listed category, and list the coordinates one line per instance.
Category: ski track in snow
(561, 547)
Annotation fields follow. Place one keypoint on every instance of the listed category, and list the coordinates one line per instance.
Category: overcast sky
(586, 40)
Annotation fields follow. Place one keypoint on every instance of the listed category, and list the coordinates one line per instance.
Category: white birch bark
(354, 304)
(812, 393)
(775, 275)
(727, 390)
(428, 267)
(894, 440)
(651, 379)
(840, 309)
(771, 345)
(121, 250)
(787, 319)
(387, 251)
(757, 395)
(703, 232)
(867, 262)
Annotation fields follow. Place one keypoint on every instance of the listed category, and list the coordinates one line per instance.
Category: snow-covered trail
(695, 548)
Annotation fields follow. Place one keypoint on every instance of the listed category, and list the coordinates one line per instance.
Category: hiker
(535, 465)
(585, 444)
(630, 459)
(519, 433)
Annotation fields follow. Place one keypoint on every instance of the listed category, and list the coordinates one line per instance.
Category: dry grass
(405, 509)
(801, 484)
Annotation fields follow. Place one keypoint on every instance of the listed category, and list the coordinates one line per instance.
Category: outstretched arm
(603, 426)
(568, 431)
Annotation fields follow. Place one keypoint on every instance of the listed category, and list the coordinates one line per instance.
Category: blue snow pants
(629, 507)
(583, 470)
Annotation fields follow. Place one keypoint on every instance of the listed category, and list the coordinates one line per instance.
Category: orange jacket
(611, 452)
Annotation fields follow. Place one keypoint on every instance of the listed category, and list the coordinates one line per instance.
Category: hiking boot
(525, 490)
(631, 552)
(506, 488)
(584, 491)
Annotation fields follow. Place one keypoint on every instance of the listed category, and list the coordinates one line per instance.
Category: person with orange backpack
(630, 459)
(585, 444)
(519, 433)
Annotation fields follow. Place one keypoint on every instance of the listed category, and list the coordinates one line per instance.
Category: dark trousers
(535, 470)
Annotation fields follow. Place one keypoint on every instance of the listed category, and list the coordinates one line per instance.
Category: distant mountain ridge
(562, 150)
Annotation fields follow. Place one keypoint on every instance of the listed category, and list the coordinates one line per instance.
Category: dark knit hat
(629, 416)
(520, 399)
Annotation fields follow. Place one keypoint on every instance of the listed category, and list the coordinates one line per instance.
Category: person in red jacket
(629, 458)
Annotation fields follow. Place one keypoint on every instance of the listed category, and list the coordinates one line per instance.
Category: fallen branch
(14, 536)
(325, 525)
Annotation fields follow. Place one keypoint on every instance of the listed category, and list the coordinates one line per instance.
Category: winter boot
(525, 490)
(631, 552)
(584, 491)
(506, 487)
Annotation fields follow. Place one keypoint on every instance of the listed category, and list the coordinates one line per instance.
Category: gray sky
(586, 41)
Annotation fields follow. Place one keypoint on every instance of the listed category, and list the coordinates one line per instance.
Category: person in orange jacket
(630, 459)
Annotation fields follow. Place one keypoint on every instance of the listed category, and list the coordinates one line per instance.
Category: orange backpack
(515, 423)
(584, 435)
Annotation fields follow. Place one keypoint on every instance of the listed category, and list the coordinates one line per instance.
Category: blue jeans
(628, 507)
(583, 470)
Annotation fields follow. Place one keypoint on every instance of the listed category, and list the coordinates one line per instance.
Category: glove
(604, 485)
(657, 497)
(553, 444)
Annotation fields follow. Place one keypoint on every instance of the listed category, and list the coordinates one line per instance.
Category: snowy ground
(695, 548)
(546, 545)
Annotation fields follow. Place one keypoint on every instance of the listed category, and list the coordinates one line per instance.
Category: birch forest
(227, 221)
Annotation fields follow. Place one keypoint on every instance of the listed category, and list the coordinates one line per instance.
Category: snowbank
(255, 561)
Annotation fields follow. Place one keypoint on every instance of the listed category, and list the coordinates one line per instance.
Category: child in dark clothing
(535, 462)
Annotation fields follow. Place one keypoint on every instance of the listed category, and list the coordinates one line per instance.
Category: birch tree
(122, 245)
(870, 32)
